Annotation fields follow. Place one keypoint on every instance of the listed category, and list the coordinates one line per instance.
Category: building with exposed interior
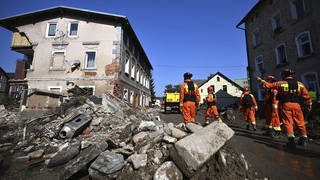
(99, 52)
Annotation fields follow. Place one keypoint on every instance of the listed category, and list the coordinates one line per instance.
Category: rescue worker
(249, 105)
(271, 110)
(290, 94)
(189, 97)
(211, 101)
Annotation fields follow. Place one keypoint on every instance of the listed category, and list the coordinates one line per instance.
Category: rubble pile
(111, 140)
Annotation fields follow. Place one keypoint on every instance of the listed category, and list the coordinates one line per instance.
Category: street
(269, 156)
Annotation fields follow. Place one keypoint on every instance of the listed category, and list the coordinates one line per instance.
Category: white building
(226, 90)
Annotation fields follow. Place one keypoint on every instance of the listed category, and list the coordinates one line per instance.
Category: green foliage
(172, 88)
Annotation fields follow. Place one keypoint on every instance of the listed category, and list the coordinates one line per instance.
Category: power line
(198, 67)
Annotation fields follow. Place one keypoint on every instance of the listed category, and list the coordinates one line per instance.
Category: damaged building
(96, 51)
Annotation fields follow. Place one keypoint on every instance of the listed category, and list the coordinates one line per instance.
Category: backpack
(247, 101)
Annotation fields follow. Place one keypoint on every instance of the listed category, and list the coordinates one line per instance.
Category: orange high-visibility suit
(249, 112)
(271, 109)
(189, 96)
(211, 101)
(290, 93)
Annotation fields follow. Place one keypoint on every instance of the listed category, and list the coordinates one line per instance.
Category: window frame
(299, 45)
(225, 88)
(257, 69)
(90, 86)
(86, 59)
(48, 27)
(127, 64)
(254, 38)
(305, 82)
(277, 54)
(69, 29)
(274, 25)
(51, 67)
(294, 10)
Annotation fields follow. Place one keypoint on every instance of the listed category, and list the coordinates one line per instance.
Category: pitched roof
(258, 4)
(199, 82)
(225, 77)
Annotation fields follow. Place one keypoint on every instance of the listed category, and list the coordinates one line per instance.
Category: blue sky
(198, 36)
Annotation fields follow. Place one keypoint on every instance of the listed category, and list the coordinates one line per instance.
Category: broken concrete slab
(177, 133)
(169, 139)
(75, 126)
(140, 137)
(147, 126)
(83, 159)
(191, 152)
(138, 160)
(36, 154)
(108, 162)
(192, 127)
(168, 171)
(64, 155)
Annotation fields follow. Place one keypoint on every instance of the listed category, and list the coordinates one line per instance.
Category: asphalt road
(269, 156)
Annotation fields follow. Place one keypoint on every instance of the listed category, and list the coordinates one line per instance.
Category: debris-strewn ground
(103, 141)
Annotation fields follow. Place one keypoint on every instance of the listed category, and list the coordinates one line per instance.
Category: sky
(178, 36)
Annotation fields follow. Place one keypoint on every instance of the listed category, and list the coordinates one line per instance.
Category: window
(218, 79)
(259, 65)
(133, 70)
(138, 75)
(304, 45)
(276, 22)
(57, 60)
(125, 95)
(90, 60)
(256, 39)
(89, 90)
(213, 88)
(311, 81)
(224, 88)
(201, 90)
(131, 97)
(51, 29)
(281, 55)
(127, 65)
(73, 29)
(297, 9)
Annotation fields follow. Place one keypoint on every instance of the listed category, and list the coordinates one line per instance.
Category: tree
(171, 89)
(152, 91)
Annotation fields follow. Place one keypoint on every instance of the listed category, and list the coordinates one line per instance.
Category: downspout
(247, 50)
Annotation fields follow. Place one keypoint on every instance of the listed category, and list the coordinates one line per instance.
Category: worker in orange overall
(290, 94)
(271, 110)
(249, 105)
(211, 101)
(189, 97)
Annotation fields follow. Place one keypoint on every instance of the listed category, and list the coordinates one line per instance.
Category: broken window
(281, 55)
(51, 29)
(90, 59)
(73, 29)
(125, 95)
(304, 45)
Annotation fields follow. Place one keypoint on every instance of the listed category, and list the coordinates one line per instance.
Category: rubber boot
(291, 143)
(248, 127)
(303, 141)
(207, 122)
(254, 127)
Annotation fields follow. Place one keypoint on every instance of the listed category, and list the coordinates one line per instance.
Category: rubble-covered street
(110, 140)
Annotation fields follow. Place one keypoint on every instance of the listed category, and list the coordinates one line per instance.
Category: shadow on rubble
(278, 143)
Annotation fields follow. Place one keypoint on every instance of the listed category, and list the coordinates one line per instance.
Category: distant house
(226, 90)
(97, 51)
(4, 85)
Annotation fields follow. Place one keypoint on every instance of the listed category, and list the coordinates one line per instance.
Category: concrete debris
(107, 139)
(108, 162)
(138, 160)
(168, 171)
(192, 127)
(193, 151)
